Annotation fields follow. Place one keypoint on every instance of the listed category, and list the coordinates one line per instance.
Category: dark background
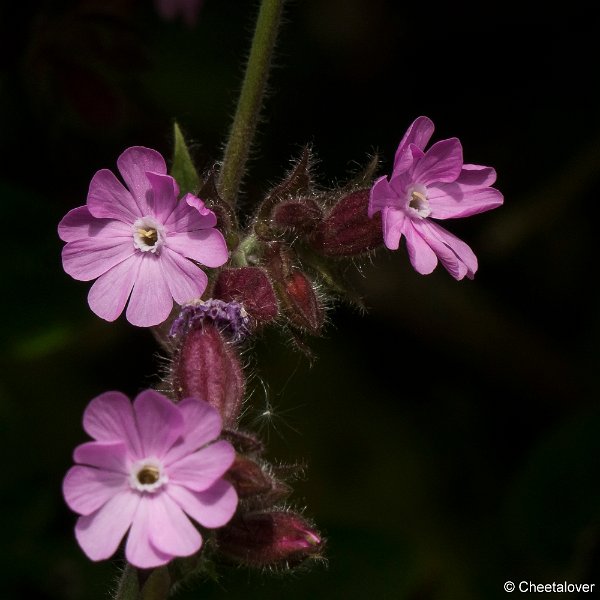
(452, 433)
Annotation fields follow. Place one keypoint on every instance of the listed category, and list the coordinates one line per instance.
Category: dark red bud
(301, 215)
(252, 480)
(263, 539)
(296, 293)
(247, 477)
(251, 287)
(243, 441)
(205, 366)
(347, 230)
(303, 308)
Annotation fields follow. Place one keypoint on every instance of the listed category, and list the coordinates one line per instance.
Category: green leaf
(183, 169)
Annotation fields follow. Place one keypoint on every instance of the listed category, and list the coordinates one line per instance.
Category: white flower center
(147, 475)
(148, 234)
(417, 202)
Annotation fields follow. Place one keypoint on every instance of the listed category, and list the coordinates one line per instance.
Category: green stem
(250, 101)
(156, 584)
(129, 586)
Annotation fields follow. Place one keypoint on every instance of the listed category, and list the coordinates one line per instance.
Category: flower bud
(263, 539)
(347, 229)
(303, 307)
(296, 292)
(254, 481)
(251, 287)
(206, 367)
(244, 441)
(300, 215)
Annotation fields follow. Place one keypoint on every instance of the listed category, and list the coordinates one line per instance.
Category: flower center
(418, 202)
(148, 234)
(147, 475)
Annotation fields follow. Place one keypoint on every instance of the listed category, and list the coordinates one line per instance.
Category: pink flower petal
(207, 246)
(452, 200)
(80, 224)
(109, 456)
(100, 533)
(109, 294)
(88, 258)
(462, 250)
(476, 176)
(108, 199)
(442, 162)
(151, 302)
(380, 196)
(422, 257)
(87, 489)
(162, 198)
(446, 256)
(190, 214)
(133, 165)
(211, 508)
(401, 181)
(109, 418)
(201, 207)
(186, 280)
(171, 531)
(419, 134)
(198, 471)
(159, 422)
(393, 222)
(202, 424)
(140, 552)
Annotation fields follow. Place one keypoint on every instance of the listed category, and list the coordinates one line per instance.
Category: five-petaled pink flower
(137, 241)
(432, 184)
(151, 464)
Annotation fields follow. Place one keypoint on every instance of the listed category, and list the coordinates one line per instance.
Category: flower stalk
(250, 100)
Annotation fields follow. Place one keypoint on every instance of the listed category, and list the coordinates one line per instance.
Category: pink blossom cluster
(160, 471)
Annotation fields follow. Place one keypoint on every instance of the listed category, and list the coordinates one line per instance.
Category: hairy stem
(250, 100)
(129, 587)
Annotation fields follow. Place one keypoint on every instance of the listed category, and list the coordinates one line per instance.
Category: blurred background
(451, 433)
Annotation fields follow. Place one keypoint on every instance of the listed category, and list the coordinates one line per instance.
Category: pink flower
(150, 465)
(432, 185)
(137, 241)
(188, 9)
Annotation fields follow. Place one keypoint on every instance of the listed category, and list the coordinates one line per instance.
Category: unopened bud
(251, 287)
(303, 307)
(347, 229)
(296, 292)
(300, 215)
(207, 367)
(243, 441)
(263, 539)
(254, 481)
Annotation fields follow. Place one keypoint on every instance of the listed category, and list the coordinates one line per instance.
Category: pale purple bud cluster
(228, 317)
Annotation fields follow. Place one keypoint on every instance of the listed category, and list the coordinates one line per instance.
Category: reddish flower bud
(269, 539)
(301, 215)
(303, 307)
(243, 441)
(252, 480)
(205, 366)
(251, 287)
(347, 229)
(296, 292)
